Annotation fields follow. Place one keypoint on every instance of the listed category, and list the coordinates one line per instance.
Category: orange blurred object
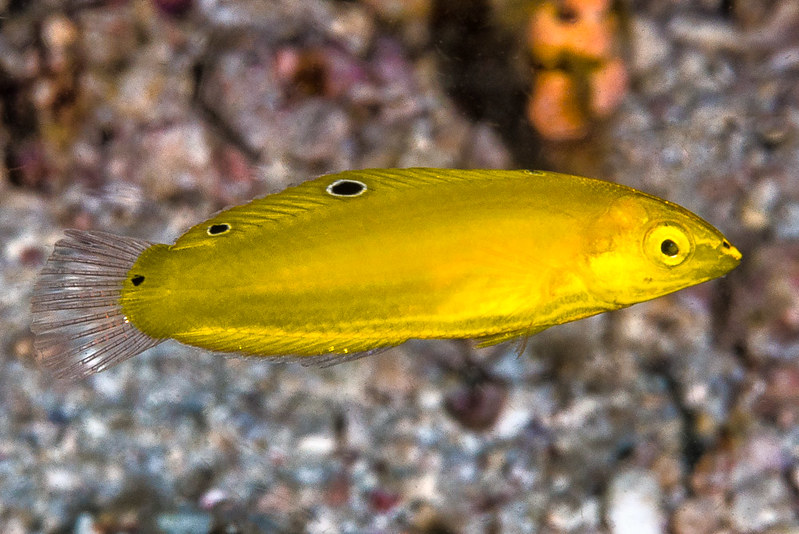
(584, 28)
(553, 108)
(608, 85)
(581, 75)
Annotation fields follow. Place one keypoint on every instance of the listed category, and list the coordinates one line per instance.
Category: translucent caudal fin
(77, 318)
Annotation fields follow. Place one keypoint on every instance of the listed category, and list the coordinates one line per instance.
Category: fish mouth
(716, 259)
(730, 251)
(730, 256)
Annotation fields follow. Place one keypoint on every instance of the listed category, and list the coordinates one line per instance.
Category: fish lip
(728, 250)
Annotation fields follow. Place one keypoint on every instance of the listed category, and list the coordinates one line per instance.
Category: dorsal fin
(316, 194)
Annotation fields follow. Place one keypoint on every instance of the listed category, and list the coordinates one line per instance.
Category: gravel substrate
(143, 117)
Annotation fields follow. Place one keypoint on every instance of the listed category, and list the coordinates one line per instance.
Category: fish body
(361, 260)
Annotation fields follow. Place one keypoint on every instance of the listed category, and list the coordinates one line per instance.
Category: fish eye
(216, 229)
(669, 247)
(346, 188)
(668, 244)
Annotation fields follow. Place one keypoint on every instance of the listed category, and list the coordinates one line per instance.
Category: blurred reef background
(143, 117)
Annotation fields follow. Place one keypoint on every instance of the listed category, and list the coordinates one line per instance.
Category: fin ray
(77, 319)
(496, 339)
(329, 360)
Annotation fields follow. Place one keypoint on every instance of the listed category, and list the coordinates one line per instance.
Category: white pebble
(317, 445)
(634, 503)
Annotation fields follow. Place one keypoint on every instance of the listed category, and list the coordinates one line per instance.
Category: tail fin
(77, 319)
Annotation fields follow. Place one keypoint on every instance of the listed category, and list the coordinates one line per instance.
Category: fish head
(643, 247)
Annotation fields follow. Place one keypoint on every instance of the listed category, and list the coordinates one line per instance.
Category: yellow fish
(362, 260)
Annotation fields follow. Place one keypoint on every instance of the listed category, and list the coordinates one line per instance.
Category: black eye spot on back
(137, 280)
(216, 229)
(669, 248)
(346, 188)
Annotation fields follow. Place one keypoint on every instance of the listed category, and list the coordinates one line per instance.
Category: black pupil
(346, 188)
(669, 247)
(218, 229)
(136, 280)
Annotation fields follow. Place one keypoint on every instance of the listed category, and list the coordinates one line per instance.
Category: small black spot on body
(216, 229)
(137, 280)
(346, 188)
(669, 248)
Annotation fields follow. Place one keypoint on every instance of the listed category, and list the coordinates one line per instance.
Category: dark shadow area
(476, 60)
(18, 117)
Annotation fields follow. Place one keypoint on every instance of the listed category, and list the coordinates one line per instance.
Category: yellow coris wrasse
(361, 260)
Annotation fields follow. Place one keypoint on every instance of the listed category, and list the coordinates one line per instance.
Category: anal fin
(496, 339)
(307, 348)
(329, 360)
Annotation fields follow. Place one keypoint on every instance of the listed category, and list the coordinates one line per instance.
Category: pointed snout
(730, 256)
